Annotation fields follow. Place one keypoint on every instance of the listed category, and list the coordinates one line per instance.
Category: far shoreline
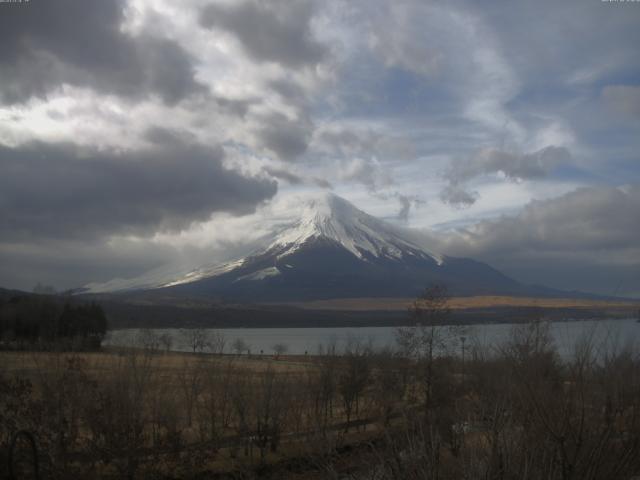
(459, 303)
(371, 312)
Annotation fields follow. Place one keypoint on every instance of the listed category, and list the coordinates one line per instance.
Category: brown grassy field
(32, 363)
(461, 303)
(169, 393)
(146, 413)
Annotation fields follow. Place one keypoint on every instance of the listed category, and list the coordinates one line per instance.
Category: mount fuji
(331, 249)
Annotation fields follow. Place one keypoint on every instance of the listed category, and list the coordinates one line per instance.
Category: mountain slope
(331, 250)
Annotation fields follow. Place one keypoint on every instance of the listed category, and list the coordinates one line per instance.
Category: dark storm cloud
(70, 264)
(589, 239)
(47, 43)
(59, 190)
(275, 30)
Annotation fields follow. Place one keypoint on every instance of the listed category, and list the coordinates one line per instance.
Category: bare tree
(239, 346)
(196, 338)
(322, 388)
(148, 339)
(243, 401)
(280, 349)
(271, 398)
(191, 380)
(389, 387)
(430, 333)
(166, 340)
(216, 408)
(116, 414)
(217, 342)
(354, 378)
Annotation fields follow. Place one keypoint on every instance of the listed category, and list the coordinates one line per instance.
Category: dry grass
(47, 368)
(513, 390)
(29, 363)
(461, 303)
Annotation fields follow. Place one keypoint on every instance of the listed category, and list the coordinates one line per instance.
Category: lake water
(605, 334)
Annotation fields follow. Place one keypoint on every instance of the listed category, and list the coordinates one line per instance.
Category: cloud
(586, 239)
(624, 99)
(167, 137)
(373, 96)
(237, 107)
(545, 53)
(287, 139)
(82, 43)
(376, 176)
(454, 48)
(270, 31)
(513, 166)
(70, 264)
(294, 179)
(349, 142)
(322, 183)
(406, 202)
(286, 175)
(288, 90)
(369, 173)
(457, 196)
(62, 191)
(587, 218)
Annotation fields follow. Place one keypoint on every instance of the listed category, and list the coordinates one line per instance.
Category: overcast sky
(136, 133)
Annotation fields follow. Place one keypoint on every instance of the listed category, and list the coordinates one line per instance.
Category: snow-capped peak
(332, 217)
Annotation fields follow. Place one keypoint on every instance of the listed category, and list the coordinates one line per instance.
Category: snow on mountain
(326, 217)
(202, 272)
(334, 218)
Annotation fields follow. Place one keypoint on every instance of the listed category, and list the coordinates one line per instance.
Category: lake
(606, 334)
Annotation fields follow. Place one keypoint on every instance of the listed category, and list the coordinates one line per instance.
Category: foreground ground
(516, 413)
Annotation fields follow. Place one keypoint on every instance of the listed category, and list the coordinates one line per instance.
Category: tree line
(32, 321)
